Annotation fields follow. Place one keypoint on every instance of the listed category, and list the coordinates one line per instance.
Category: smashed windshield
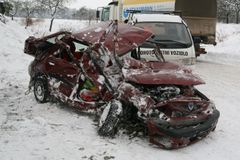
(172, 35)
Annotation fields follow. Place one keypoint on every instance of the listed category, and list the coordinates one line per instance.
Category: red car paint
(128, 37)
(160, 73)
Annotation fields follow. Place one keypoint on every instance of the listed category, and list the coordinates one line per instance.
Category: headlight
(210, 109)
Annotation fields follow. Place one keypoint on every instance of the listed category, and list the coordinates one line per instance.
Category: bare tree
(52, 6)
(224, 9)
(236, 7)
(28, 8)
(2, 12)
(91, 15)
(2, 8)
(16, 6)
(85, 14)
(82, 13)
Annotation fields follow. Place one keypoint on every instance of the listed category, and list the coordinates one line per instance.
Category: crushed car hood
(128, 37)
(159, 73)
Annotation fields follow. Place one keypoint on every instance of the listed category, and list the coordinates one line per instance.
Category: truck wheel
(41, 90)
(110, 119)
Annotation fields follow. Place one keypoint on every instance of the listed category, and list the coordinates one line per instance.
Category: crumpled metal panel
(128, 38)
(159, 73)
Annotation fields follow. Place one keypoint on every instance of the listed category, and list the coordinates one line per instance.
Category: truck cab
(171, 34)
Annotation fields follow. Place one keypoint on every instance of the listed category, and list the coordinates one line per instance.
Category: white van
(171, 34)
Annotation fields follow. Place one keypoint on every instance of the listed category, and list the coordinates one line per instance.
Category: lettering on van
(147, 53)
(179, 53)
(173, 53)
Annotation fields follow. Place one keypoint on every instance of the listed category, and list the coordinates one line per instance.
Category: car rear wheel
(110, 119)
(41, 90)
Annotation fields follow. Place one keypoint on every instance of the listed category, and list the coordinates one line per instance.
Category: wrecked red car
(100, 68)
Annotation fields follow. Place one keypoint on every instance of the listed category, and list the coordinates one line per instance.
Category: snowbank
(13, 62)
(40, 26)
(227, 50)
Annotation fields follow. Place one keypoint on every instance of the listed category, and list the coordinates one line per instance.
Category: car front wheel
(110, 119)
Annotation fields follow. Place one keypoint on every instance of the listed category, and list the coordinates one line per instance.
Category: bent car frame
(100, 69)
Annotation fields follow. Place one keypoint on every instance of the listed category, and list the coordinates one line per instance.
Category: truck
(199, 17)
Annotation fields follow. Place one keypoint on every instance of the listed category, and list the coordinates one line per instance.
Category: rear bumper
(172, 136)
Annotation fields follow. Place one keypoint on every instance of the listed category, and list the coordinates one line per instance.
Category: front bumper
(171, 136)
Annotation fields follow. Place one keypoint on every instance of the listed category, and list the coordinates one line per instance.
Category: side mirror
(97, 14)
(197, 40)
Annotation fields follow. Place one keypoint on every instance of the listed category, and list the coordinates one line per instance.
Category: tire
(110, 119)
(41, 90)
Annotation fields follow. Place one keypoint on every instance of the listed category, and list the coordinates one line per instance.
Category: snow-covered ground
(227, 50)
(32, 131)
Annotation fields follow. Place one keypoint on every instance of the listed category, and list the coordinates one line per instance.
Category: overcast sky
(88, 3)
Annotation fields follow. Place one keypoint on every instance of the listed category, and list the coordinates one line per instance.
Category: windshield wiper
(171, 41)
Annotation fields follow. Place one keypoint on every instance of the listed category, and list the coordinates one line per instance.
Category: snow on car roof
(157, 18)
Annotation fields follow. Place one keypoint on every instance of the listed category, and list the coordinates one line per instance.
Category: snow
(33, 131)
(101, 79)
(227, 51)
(58, 25)
(98, 29)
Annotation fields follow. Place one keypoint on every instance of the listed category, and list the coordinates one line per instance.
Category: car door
(64, 74)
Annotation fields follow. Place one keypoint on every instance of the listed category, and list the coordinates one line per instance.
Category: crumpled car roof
(129, 37)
